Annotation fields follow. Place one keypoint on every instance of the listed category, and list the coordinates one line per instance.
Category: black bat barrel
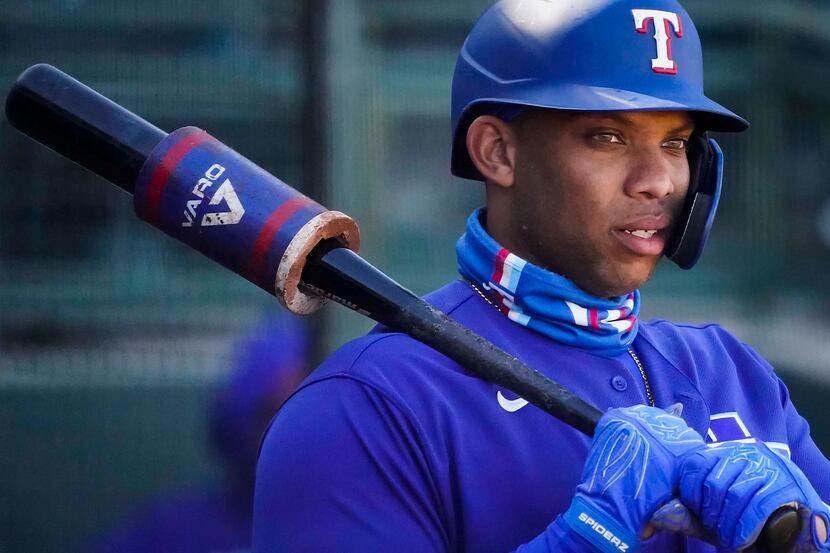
(77, 122)
(185, 183)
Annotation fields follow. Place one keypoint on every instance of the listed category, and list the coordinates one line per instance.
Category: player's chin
(629, 276)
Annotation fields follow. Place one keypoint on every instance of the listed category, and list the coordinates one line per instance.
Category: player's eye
(608, 138)
(676, 144)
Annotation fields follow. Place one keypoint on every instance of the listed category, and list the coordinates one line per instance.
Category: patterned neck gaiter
(544, 301)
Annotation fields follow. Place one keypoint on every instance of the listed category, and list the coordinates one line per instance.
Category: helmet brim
(708, 114)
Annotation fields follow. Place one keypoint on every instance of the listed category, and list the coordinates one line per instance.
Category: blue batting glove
(631, 471)
(733, 488)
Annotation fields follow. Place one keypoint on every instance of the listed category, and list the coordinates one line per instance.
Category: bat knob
(780, 531)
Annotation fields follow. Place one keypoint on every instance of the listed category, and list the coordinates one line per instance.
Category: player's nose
(652, 174)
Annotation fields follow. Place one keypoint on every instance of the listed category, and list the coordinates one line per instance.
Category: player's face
(596, 196)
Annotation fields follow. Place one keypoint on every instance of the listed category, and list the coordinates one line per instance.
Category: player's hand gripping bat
(270, 234)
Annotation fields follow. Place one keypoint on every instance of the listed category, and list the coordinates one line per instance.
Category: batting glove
(631, 471)
(733, 488)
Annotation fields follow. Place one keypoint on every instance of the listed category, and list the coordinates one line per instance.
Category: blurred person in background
(267, 365)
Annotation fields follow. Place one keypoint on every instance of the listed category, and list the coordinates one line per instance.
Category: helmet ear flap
(705, 181)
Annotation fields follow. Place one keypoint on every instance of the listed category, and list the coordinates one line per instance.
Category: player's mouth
(645, 236)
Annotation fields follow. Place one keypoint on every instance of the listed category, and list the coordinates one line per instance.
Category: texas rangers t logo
(663, 63)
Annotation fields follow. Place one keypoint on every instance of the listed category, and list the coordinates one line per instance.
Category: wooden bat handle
(345, 277)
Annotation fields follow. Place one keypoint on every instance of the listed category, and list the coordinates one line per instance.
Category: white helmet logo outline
(663, 63)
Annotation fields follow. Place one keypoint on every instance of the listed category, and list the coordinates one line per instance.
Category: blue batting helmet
(595, 55)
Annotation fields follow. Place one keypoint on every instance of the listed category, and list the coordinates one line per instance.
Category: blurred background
(111, 352)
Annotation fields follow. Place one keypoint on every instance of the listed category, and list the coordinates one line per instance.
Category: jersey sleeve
(803, 450)
(343, 468)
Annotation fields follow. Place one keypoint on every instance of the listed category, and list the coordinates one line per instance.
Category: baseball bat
(271, 234)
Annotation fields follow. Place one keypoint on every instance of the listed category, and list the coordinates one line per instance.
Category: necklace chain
(633, 355)
(644, 374)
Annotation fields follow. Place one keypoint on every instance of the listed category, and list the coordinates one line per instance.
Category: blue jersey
(391, 446)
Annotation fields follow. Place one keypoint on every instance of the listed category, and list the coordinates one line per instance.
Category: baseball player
(587, 123)
(267, 365)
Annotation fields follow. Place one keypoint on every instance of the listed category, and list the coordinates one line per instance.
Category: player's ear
(491, 144)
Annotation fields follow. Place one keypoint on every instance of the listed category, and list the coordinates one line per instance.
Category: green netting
(109, 330)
